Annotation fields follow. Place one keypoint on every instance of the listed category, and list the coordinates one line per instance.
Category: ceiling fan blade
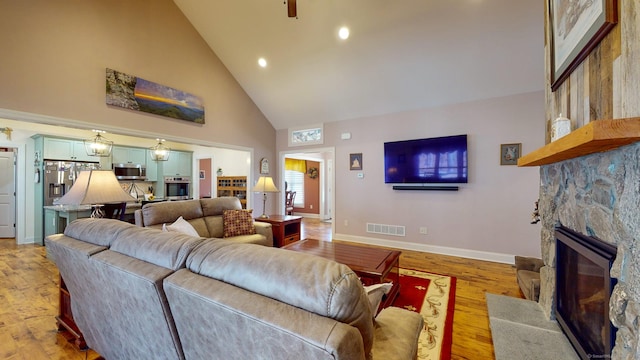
(291, 8)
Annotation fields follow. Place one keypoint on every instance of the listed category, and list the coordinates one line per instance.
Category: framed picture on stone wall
(509, 153)
(576, 28)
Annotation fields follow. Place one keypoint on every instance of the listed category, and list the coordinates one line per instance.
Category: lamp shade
(265, 184)
(94, 187)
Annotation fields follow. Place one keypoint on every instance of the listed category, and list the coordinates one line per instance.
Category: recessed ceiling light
(262, 62)
(343, 33)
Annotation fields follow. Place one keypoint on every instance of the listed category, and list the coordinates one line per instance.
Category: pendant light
(98, 145)
(160, 152)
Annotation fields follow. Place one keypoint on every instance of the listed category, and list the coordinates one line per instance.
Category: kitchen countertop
(131, 207)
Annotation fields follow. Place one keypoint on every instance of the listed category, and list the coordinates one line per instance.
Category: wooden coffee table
(372, 265)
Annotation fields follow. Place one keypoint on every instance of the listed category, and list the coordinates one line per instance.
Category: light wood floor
(29, 299)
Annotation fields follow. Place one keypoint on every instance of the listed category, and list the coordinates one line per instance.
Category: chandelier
(98, 145)
(160, 152)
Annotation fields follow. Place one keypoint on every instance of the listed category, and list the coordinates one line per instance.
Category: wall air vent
(394, 230)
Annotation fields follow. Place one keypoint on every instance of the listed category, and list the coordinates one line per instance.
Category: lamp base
(264, 209)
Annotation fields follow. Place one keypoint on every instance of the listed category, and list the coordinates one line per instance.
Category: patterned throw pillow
(237, 222)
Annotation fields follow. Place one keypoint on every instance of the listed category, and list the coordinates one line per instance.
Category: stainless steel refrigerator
(59, 176)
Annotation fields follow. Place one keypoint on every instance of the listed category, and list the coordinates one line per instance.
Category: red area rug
(433, 297)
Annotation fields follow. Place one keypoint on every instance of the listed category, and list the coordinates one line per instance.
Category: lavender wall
(489, 218)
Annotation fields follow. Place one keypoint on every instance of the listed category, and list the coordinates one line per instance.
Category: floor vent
(385, 229)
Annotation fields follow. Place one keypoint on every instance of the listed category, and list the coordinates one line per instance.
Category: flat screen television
(440, 160)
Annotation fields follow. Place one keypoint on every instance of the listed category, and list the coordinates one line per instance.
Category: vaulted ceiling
(401, 54)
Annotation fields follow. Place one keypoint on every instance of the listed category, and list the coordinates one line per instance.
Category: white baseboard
(307, 215)
(29, 240)
(442, 250)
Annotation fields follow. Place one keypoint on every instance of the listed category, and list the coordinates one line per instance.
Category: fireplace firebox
(583, 289)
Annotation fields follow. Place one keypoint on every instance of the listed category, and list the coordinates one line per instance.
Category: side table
(66, 325)
(286, 228)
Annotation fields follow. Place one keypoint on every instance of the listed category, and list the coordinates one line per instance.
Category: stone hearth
(598, 195)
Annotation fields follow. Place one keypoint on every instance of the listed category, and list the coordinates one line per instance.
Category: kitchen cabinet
(152, 167)
(179, 164)
(66, 149)
(128, 155)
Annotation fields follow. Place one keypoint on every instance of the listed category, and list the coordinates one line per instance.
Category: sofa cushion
(214, 226)
(237, 222)
(320, 286)
(166, 249)
(169, 211)
(215, 206)
(182, 226)
(256, 238)
(96, 231)
(396, 333)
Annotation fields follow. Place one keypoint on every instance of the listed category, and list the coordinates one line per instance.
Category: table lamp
(95, 188)
(264, 185)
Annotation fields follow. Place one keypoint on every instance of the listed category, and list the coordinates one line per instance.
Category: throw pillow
(182, 226)
(237, 222)
(375, 293)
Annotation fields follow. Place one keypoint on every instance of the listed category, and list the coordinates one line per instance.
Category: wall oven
(177, 188)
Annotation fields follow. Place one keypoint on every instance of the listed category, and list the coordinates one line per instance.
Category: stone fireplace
(597, 195)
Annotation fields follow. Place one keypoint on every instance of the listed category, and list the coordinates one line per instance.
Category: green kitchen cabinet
(66, 149)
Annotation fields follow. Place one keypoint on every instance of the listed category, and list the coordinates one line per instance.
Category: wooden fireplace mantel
(596, 136)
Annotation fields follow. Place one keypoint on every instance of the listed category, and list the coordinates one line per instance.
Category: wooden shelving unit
(233, 186)
(596, 136)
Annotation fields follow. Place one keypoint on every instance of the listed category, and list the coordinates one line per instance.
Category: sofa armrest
(264, 229)
(138, 217)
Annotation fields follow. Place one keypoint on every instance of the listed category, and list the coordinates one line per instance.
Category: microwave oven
(130, 171)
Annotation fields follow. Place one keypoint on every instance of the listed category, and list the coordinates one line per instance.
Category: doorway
(205, 177)
(8, 192)
(325, 158)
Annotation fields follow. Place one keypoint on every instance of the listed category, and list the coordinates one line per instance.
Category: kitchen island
(56, 217)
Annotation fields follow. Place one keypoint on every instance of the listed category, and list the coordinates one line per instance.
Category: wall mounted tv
(441, 160)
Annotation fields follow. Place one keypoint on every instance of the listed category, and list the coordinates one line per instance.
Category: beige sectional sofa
(205, 215)
(143, 293)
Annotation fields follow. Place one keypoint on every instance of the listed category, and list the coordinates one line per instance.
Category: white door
(7, 195)
(328, 211)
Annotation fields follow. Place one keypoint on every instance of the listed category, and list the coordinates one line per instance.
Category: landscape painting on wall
(134, 93)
